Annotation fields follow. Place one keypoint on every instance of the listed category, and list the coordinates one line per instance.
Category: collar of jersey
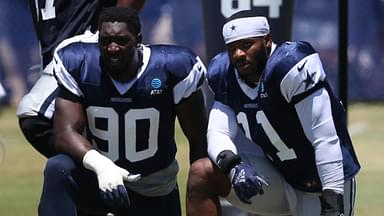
(123, 88)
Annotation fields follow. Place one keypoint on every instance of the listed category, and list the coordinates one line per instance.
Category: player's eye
(104, 41)
(232, 48)
(245, 45)
(120, 40)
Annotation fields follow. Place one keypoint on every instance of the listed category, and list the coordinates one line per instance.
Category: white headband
(244, 28)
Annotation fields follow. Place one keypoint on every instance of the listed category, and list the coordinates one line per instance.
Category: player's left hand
(247, 182)
(332, 203)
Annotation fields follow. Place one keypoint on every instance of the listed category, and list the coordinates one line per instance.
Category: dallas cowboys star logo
(309, 79)
(233, 28)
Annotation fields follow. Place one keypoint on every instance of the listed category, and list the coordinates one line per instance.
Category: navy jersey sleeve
(218, 79)
(67, 64)
(187, 70)
(70, 57)
(298, 68)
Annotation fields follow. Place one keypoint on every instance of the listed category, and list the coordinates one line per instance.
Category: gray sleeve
(315, 115)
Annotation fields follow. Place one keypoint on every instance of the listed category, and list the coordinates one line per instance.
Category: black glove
(116, 198)
(247, 182)
(332, 203)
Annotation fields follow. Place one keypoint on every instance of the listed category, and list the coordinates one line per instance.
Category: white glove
(110, 178)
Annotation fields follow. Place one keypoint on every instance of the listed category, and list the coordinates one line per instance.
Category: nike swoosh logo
(199, 67)
(300, 67)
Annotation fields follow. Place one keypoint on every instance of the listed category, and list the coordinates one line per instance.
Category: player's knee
(59, 167)
(205, 179)
(38, 132)
(200, 170)
(26, 125)
(35, 127)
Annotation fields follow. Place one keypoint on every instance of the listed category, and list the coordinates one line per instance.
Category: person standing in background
(54, 21)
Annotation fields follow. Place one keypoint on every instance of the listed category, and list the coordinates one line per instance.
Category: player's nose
(238, 53)
(113, 47)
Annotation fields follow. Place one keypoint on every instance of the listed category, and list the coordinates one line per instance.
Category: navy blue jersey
(133, 127)
(56, 20)
(269, 116)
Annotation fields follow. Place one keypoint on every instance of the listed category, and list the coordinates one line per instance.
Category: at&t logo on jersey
(156, 85)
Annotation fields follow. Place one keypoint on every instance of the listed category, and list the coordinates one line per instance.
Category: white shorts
(40, 99)
(280, 198)
(303, 203)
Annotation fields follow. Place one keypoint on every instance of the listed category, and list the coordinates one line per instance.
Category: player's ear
(139, 38)
(268, 40)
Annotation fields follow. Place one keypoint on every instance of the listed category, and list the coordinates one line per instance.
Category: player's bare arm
(69, 123)
(193, 121)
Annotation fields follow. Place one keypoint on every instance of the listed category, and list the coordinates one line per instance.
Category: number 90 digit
(111, 133)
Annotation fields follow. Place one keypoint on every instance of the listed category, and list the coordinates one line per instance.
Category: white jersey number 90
(111, 134)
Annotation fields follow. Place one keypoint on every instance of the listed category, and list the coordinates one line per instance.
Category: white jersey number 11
(283, 152)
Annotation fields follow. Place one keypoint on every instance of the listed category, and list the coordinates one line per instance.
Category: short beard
(263, 56)
(254, 77)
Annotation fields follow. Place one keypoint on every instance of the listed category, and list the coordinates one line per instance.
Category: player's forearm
(197, 151)
(217, 143)
(332, 176)
(222, 129)
(73, 144)
(329, 159)
(69, 124)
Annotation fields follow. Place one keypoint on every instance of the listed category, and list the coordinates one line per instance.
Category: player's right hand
(110, 178)
(246, 182)
(332, 203)
(111, 185)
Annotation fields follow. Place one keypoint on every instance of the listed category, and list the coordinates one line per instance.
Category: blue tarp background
(176, 21)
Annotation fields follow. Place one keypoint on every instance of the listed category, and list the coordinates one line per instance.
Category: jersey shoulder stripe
(294, 68)
(68, 57)
(304, 77)
(285, 57)
(219, 76)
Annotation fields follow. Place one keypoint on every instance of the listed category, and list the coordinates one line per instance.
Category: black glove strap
(226, 160)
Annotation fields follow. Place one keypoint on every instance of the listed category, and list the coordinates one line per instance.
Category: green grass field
(21, 166)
